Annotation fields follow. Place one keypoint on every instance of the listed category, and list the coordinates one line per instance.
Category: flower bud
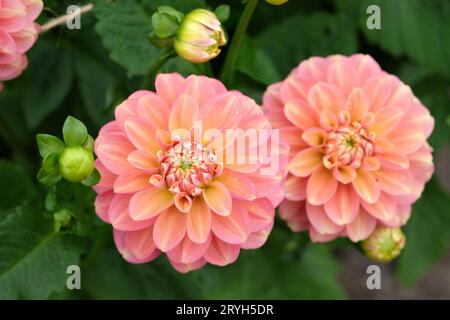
(76, 163)
(277, 2)
(199, 37)
(385, 244)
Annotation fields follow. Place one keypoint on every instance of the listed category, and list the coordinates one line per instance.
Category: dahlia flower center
(186, 168)
(348, 145)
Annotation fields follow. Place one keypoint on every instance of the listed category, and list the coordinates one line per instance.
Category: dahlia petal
(140, 134)
(218, 198)
(305, 162)
(324, 96)
(295, 188)
(300, 114)
(394, 182)
(221, 253)
(378, 91)
(317, 237)
(107, 178)
(154, 111)
(384, 209)
(357, 104)
(119, 215)
(136, 246)
(386, 120)
(345, 174)
(200, 88)
(123, 111)
(393, 161)
(315, 137)
(321, 186)
(328, 120)
(343, 207)
(183, 114)
(257, 239)
(343, 75)
(260, 214)
(366, 186)
(221, 112)
(187, 267)
(169, 229)
(295, 215)
(102, 203)
(187, 252)
(292, 135)
(143, 160)
(150, 202)
(362, 227)
(131, 181)
(407, 140)
(232, 228)
(265, 183)
(168, 86)
(113, 150)
(239, 185)
(320, 220)
(199, 221)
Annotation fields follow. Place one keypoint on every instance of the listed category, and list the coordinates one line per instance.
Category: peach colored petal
(168, 86)
(393, 161)
(188, 267)
(343, 207)
(150, 202)
(362, 227)
(300, 114)
(200, 88)
(315, 137)
(293, 136)
(357, 104)
(260, 214)
(136, 246)
(295, 188)
(343, 75)
(232, 228)
(317, 237)
(113, 150)
(221, 253)
(328, 120)
(169, 229)
(394, 182)
(257, 239)
(239, 185)
(154, 111)
(119, 215)
(131, 181)
(294, 213)
(141, 135)
(183, 114)
(199, 221)
(386, 120)
(187, 252)
(384, 209)
(345, 174)
(220, 113)
(320, 220)
(143, 160)
(324, 96)
(102, 202)
(305, 162)
(366, 187)
(321, 186)
(218, 198)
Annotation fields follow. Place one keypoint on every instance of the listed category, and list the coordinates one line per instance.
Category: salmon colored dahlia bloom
(359, 156)
(18, 33)
(168, 186)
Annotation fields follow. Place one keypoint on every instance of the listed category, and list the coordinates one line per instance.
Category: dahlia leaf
(48, 144)
(34, 263)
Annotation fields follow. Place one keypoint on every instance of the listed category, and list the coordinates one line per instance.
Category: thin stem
(67, 17)
(156, 65)
(227, 75)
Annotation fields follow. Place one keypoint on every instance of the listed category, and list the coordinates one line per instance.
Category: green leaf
(74, 132)
(256, 64)
(301, 36)
(427, 234)
(48, 144)
(222, 12)
(124, 26)
(47, 178)
(50, 163)
(415, 28)
(50, 77)
(164, 24)
(89, 143)
(34, 258)
(16, 187)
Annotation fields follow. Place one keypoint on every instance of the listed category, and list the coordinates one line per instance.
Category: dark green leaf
(222, 12)
(48, 144)
(93, 179)
(50, 163)
(47, 178)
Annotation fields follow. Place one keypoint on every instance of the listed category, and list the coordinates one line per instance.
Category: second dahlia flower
(18, 32)
(174, 180)
(359, 155)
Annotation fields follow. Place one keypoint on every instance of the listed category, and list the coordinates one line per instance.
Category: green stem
(227, 75)
(156, 65)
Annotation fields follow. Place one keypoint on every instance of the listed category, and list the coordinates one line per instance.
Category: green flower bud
(385, 244)
(199, 37)
(76, 163)
(277, 2)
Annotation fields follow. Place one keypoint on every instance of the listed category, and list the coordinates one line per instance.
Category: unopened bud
(76, 163)
(385, 244)
(199, 37)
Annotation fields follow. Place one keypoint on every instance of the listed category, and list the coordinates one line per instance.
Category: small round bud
(277, 2)
(199, 37)
(76, 163)
(385, 244)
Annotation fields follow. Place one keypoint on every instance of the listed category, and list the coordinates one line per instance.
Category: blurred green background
(87, 72)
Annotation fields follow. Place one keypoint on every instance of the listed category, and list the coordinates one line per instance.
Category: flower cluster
(359, 155)
(176, 177)
(18, 32)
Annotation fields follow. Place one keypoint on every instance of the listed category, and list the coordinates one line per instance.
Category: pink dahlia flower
(170, 184)
(18, 33)
(359, 156)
